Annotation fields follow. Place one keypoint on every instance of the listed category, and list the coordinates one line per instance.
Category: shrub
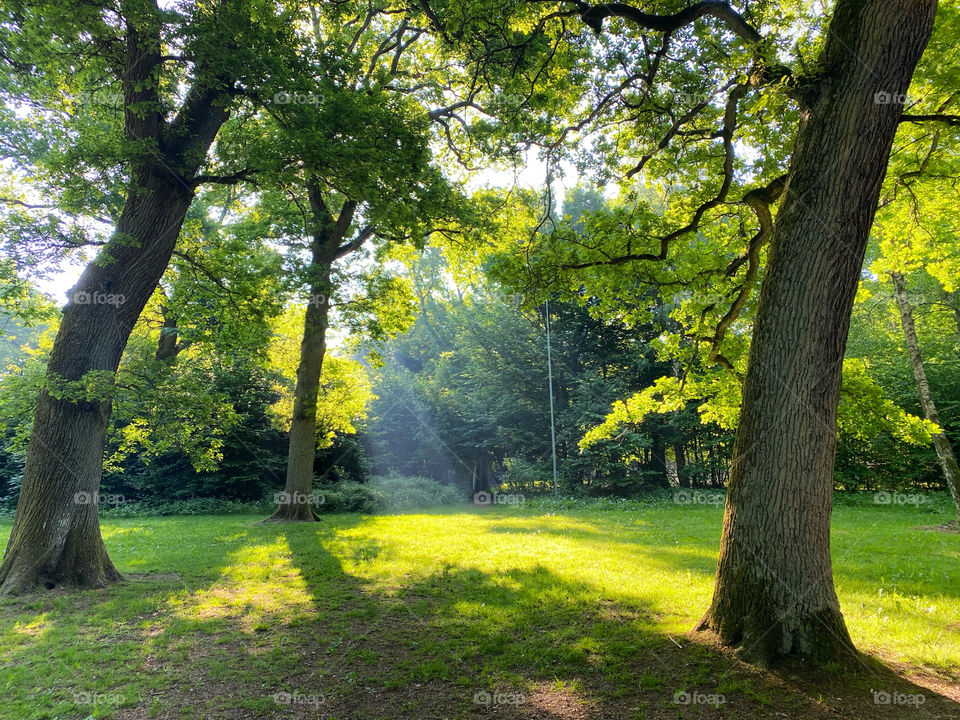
(408, 492)
(343, 497)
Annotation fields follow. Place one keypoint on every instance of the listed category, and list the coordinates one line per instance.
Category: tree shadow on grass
(284, 623)
(528, 643)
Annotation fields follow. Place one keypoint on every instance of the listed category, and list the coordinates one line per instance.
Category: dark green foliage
(468, 386)
(253, 451)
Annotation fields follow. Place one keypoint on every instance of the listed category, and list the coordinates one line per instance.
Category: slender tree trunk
(774, 592)
(168, 344)
(296, 502)
(678, 451)
(953, 301)
(948, 461)
(657, 466)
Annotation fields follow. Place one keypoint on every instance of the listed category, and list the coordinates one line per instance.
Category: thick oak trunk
(948, 461)
(774, 592)
(56, 533)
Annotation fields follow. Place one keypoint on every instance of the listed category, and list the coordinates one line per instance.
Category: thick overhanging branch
(759, 200)
(450, 110)
(356, 243)
(593, 16)
(231, 179)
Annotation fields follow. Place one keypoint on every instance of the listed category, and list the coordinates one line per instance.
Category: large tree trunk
(56, 532)
(774, 592)
(948, 461)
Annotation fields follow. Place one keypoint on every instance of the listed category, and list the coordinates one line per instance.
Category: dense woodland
(307, 266)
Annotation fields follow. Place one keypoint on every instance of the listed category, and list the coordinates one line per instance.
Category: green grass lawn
(499, 612)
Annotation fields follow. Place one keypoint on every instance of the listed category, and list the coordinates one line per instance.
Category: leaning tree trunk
(948, 461)
(56, 533)
(774, 592)
(296, 501)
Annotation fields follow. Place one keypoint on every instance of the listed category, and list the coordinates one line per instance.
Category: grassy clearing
(545, 613)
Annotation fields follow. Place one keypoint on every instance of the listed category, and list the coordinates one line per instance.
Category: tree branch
(593, 16)
(953, 120)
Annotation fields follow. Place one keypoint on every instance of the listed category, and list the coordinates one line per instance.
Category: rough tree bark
(948, 461)
(296, 502)
(56, 538)
(774, 592)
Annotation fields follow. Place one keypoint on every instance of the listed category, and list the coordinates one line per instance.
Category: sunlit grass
(233, 611)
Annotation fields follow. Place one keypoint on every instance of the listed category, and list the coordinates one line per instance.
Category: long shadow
(894, 557)
(445, 644)
(94, 630)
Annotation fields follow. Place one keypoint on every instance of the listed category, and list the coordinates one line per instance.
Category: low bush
(396, 493)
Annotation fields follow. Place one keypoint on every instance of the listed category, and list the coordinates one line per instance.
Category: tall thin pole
(553, 428)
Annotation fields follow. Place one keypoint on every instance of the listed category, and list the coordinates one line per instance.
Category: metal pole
(553, 429)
